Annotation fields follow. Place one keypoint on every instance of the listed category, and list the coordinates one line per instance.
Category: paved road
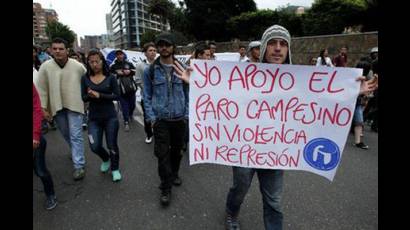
(310, 202)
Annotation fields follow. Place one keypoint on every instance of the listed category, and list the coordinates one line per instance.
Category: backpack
(127, 85)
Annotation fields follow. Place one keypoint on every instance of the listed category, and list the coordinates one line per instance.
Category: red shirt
(340, 61)
(37, 115)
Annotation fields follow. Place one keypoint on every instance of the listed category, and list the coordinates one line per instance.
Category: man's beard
(165, 54)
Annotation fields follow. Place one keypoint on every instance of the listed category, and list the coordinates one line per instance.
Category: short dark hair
(60, 40)
(212, 43)
(147, 45)
(242, 46)
(200, 49)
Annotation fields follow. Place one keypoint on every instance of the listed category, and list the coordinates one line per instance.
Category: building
(90, 42)
(39, 24)
(130, 20)
(40, 18)
(51, 15)
(109, 41)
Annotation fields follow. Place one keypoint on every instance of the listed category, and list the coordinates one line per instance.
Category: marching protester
(212, 46)
(150, 53)
(324, 59)
(100, 88)
(242, 53)
(59, 86)
(341, 59)
(253, 51)
(124, 71)
(39, 150)
(166, 106)
(275, 48)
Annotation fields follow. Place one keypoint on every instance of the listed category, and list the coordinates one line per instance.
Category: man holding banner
(275, 48)
(297, 118)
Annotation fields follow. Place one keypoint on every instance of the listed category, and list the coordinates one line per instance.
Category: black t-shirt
(109, 91)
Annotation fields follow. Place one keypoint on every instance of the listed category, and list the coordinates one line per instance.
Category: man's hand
(368, 86)
(183, 74)
(120, 72)
(35, 144)
(126, 71)
(47, 115)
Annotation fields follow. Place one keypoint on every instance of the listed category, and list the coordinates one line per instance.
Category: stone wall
(304, 48)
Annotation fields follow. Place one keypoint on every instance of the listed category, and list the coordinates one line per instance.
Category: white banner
(135, 57)
(227, 56)
(270, 116)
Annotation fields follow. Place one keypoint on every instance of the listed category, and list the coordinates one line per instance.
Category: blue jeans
(271, 183)
(358, 115)
(70, 125)
(40, 168)
(127, 106)
(96, 128)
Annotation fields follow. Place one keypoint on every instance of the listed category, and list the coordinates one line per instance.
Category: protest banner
(257, 115)
(134, 57)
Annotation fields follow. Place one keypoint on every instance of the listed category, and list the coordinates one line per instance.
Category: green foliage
(148, 36)
(56, 29)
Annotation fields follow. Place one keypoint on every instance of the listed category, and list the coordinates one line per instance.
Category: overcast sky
(87, 17)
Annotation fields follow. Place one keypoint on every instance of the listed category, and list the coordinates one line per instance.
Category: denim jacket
(161, 100)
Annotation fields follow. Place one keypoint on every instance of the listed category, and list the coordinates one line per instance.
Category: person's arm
(148, 91)
(115, 91)
(329, 62)
(37, 118)
(319, 61)
(84, 90)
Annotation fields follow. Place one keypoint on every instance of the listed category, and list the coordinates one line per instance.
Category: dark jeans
(168, 143)
(147, 125)
(40, 168)
(270, 185)
(96, 128)
(127, 106)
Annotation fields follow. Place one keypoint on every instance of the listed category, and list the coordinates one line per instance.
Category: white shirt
(327, 60)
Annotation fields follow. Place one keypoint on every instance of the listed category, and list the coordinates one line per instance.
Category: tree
(162, 8)
(148, 36)
(333, 16)
(208, 18)
(57, 29)
(251, 25)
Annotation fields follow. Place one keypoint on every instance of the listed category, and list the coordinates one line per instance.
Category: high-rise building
(40, 18)
(94, 41)
(51, 15)
(130, 20)
(39, 24)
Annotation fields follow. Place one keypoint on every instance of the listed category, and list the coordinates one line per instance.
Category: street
(310, 202)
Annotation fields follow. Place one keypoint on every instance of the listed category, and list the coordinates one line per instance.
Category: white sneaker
(148, 140)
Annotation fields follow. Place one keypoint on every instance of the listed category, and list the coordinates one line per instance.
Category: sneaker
(177, 181)
(126, 127)
(79, 174)
(51, 202)
(165, 197)
(361, 145)
(105, 166)
(116, 175)
(231, 222)
(148, 140)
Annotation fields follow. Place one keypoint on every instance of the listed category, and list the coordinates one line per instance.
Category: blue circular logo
(322, 154)
(111, 57)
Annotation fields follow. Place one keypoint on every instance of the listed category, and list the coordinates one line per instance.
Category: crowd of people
(64, 83)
